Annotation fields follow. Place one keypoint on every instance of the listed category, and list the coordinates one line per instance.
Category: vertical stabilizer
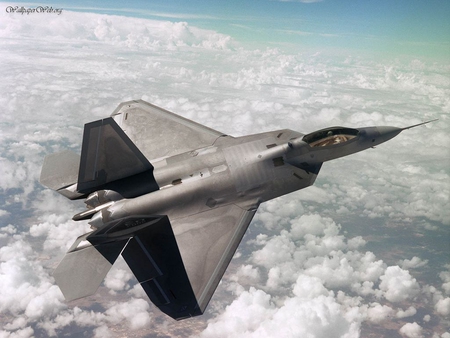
(108, 155)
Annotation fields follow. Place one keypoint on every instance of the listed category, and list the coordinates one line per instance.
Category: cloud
(4, 213)
(309, 287)
(134, 311)
(377, 313)
(26, 287)
(247, 274)
(411, 330)
(445, 277)
(411, 311)
(253, 314)
(414, 262)
(58, 232)
(117, 279)
(398, 285)
(443, 307)
(116, 30)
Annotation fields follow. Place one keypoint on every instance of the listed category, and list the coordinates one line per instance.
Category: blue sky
(404, 27)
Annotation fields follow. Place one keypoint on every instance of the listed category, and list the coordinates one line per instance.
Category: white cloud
(4, 213)
(445, 277)
(377, 313)
(117, 279)
(309, 287)
(46, 304)
(412, 263)
(411, 330)
(7, 230)
(309, 225)
(59, 233)
(443, 307)
(398, 285)
(116, 30)
(253, 314)
(411, 311)
(11, 175)
(102, 332)
(247, 273)
(22, 333)
(26, 287)
(134, 311)
(244, 314)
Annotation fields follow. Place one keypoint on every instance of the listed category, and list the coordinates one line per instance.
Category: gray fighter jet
(175, 197)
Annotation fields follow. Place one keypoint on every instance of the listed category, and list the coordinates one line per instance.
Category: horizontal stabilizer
(60, 171)
(83, 268)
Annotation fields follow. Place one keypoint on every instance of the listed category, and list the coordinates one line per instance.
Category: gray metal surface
(108, 155)
(60, 170)
(207, 241)
(154, 257)
(159, 133)
(82, 269)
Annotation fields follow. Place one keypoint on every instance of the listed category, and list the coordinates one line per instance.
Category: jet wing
(180, 262)
(159, 133)
(207, 241)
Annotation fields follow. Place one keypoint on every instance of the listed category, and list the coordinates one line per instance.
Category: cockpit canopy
(330, 136)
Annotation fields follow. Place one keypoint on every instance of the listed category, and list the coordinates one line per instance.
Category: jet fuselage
(245, 171)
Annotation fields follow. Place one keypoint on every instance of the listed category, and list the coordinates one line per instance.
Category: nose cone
(386, 133)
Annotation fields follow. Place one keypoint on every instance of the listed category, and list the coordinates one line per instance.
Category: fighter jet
(175, 198)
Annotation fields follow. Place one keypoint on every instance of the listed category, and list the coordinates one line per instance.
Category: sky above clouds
(362, 253)
(383, 27)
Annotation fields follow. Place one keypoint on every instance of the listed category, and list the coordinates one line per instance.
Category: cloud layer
(362, 252)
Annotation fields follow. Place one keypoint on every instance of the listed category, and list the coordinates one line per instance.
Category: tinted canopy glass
(330, 136)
